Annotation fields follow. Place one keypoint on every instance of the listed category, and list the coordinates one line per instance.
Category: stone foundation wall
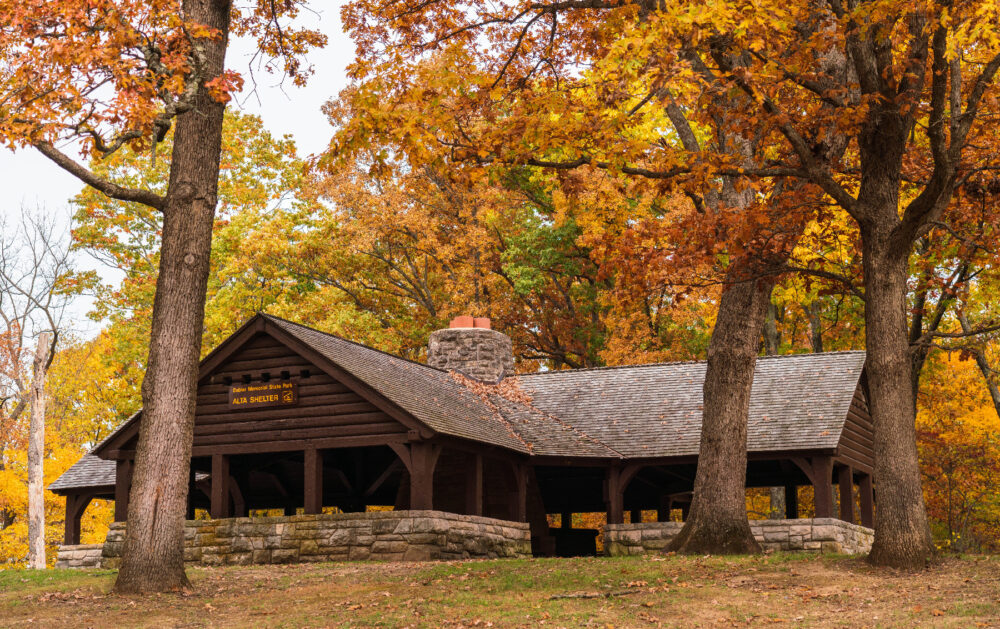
(79, 556)
(376, 535)
(817, 534)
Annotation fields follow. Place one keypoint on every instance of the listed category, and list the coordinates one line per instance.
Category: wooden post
(220, 486)
(663, 512)
(566, 520)
(867, 499)
(614, 496)
(845, 483)
(474, 486)
(823, 486)
(791, 502)
(520, 492)
(313, 481)
(123, 485)
(423, 459)
(192, 488)
(72, 532)
(76, 504)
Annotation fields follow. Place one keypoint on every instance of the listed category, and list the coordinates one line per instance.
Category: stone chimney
(471, 348)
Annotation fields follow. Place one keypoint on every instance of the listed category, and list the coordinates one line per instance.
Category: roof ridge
(466, 383)
(355, 343)
(680, 362)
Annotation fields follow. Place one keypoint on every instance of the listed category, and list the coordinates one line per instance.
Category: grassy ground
(786, 590)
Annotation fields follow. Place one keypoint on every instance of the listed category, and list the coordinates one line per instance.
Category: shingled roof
(89, 471)
(798, 402)
(430, 395)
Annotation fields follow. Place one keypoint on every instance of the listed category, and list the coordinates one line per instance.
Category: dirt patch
(600, 592)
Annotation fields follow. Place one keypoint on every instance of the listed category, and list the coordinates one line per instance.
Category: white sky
(28, 179)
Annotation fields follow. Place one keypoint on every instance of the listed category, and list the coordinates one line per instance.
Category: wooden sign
(263, 394)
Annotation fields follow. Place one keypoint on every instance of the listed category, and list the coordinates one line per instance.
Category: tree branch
(87, 176)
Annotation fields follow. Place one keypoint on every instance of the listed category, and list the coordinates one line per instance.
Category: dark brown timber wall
(856, 441)
(327, 409)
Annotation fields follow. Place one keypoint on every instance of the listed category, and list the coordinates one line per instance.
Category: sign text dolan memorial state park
(263, 394)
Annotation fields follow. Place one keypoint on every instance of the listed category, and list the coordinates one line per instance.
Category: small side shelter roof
(90, 471)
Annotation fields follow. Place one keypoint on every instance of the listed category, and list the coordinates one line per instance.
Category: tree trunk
(772, 338)
(36, 454)
(902, 533)
(153, 554)
(772, 341)
(717, 522)
(815, 326)
(777, 496)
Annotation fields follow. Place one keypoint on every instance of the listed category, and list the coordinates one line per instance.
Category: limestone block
(830, 547)
(205, 539)
(777, 535)
(824, 532)
(648, 533)
(340, 537)
(615, 549)
(631, 536)
(402, 526)
(418, 552)
(239, 559)
(358, 553)
(383, 546)
(383, 526)
(338, 554)
(309, 547)
(212, 559)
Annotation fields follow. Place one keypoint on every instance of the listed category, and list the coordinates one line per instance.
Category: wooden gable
(856, 444)
(332, 410)
(328, 413)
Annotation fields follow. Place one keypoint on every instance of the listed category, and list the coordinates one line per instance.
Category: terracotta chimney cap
(462, 322)
(482, 322)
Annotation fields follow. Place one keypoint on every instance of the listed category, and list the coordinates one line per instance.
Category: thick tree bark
(36, 454)
(717, 522)
(153, 556)
(777, 499)
(902, 533)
